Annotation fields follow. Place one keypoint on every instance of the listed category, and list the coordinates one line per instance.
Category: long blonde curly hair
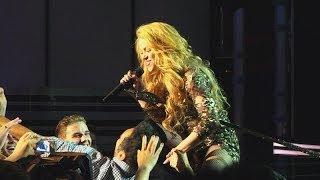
(173, 57)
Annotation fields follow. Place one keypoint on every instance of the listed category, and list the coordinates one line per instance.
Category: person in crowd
(8, 142)
(13, 150)
(124, 164)
(74, 128)
(124, 154)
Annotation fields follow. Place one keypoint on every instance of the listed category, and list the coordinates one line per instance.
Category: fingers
(150, 143)
(166, 161)
(144, 143)
(172, 160)
(12, 123)
(159, 149)
(24, 137)
(131, 74)
(171, 152)
(127, 77)
(30, 139)
(169, 155)
(153, 143)
(30, 135)
(33, 143)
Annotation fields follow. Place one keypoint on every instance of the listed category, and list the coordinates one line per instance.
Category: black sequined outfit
(202, 115)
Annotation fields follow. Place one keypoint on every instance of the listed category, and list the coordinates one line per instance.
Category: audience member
(74, 129)
(124, 163)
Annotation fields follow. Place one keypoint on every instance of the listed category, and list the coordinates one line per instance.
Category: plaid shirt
(103, 166)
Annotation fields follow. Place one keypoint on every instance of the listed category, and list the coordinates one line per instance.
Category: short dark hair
(131, 144)
(65, 122)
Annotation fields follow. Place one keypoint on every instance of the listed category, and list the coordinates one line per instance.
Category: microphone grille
(138, 71)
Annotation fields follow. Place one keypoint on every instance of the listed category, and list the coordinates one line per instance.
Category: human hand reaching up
(3, 102)
(147, 157)
(25, 146)
(4, 130)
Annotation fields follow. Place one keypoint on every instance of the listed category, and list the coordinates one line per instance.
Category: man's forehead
(77, 127)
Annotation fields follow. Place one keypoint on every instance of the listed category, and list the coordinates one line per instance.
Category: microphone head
(138, 71)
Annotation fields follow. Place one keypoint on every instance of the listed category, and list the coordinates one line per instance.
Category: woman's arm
(198, 88)
(180, 162)
(190, 141)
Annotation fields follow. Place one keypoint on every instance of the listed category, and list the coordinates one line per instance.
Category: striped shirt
(104, 168)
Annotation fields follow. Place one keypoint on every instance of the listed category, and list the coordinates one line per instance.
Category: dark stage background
(61, 57)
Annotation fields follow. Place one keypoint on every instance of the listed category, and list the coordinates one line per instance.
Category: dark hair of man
(65, 122)
(131, 144)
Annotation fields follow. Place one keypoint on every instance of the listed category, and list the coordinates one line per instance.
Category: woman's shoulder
(196, 76)
(197, 82)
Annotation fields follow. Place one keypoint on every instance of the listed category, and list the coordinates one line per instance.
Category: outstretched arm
(5, 128)
(199, 88)
(17, 130)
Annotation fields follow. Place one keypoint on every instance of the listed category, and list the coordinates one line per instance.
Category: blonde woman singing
(184, 96)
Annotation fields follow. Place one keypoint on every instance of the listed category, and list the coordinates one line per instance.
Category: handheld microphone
(121, 86)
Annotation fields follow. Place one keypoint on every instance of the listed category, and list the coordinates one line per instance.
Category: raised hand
(4, 130)
(131, 76)
(147, 157)
(179, 161)
(3, 102)
(25, 146)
